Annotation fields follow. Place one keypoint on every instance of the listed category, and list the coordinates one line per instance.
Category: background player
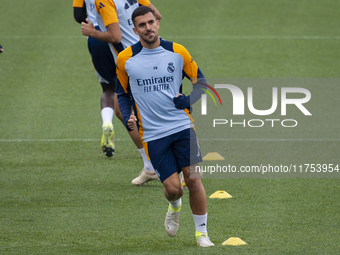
(116, 28)
(152, 72)
(103, 62)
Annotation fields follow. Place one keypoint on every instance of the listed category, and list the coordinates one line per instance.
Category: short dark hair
(140, 11)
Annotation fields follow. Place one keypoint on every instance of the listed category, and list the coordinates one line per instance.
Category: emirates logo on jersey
(171, 67)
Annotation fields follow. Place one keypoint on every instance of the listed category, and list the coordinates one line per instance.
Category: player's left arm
(192, 72)
(149, 4)
(157, 13)
(79, 11)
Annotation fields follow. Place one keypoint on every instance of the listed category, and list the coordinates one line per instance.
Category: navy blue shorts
(102, 59)
(170, 154)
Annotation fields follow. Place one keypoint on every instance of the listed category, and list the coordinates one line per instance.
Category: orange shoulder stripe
(144, 2)
(122, 76)
(189, 65)
(78, 3)
(107, 10)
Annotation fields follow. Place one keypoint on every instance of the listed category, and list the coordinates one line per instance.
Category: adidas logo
(202, 225)
(129, 3)
(101, 5)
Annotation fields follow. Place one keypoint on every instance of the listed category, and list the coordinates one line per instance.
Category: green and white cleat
(144, 177)
(171, 222)
(203, 239)
(107, 143)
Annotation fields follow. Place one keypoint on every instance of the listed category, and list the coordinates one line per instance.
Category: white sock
(201, 222)
(176, 204)
(147, 164)
(107, 114)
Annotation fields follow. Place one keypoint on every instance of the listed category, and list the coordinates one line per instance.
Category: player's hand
(181, 101)
(132, 122)
(87, 28)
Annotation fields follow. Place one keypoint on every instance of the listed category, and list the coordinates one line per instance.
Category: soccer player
(116, 28)
(151, 72)
(103, 62)
(1, 49)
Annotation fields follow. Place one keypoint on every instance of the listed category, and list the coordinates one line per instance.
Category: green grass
(60, 195)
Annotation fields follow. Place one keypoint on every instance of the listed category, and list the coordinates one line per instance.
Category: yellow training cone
(220, 194)
(234, 241)
(213, 156)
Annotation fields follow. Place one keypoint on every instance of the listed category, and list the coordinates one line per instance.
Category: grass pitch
(60, 195)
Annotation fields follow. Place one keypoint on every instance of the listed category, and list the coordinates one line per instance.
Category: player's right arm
(131, 123)
(112, 35)
(110, 19)
(123, 89)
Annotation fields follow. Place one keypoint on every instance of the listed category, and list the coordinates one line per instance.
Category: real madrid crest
(171, 67)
